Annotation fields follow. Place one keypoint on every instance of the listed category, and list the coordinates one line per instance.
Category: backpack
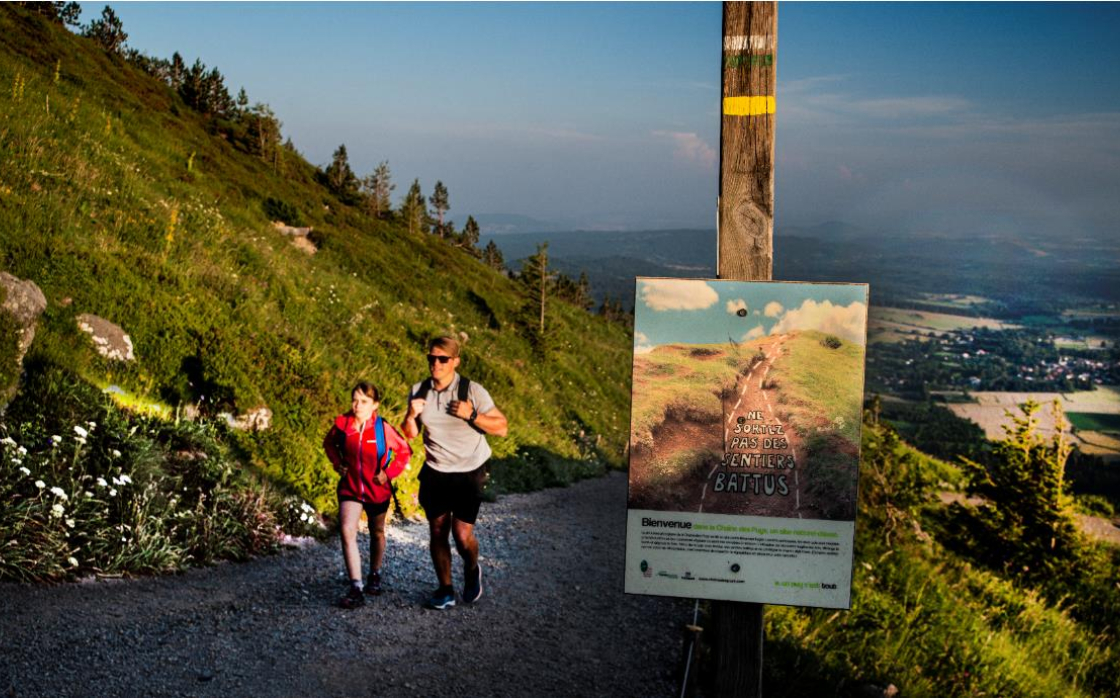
(464, 388)
(382, 456)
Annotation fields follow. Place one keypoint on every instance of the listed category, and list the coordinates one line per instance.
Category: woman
(367, 452)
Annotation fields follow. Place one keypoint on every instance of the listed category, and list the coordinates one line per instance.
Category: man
(454, 471)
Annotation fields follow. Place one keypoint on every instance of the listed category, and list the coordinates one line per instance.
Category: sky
(697, 311)
(955, 118)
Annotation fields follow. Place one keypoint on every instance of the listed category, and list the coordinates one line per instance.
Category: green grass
(929, 621)
(1087, 421)
(818, 383)
(99, 208)
(683, 380)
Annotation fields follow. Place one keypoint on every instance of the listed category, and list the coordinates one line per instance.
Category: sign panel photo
(744, 440)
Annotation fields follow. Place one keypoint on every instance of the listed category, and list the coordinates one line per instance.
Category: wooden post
(746, 252)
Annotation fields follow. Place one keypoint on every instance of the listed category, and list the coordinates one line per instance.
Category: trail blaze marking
(748, 106)
(754, 42)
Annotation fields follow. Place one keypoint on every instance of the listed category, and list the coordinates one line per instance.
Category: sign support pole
(745, 229)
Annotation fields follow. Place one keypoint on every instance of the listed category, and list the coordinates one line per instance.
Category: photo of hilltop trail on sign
(747, 397)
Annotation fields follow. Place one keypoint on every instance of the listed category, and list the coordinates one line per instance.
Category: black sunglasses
(432, 358)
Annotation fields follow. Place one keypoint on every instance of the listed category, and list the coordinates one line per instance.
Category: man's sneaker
(373, 584)
(353, 599)
(472, 584)
(441, 599)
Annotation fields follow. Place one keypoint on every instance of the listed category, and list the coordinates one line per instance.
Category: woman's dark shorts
(458, 493)
(372, 509)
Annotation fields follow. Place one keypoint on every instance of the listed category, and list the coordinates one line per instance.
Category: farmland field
(897, 324)
(1090, 421)
(989, 410)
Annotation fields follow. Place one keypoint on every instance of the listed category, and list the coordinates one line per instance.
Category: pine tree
(377, 188)
(535, 276)
(65, 13)
(1027, 509)
(414, 210)
(471, 233)
(264, 133)
(107, 31)
(340, 178)
(440, 205)
(492, 257)
(242, 103)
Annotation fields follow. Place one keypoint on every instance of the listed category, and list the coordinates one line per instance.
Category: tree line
(255, 129)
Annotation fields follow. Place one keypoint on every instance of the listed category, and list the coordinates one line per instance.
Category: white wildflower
(58, 510)
(80, 431)
(70, 523)
(40, 484)
(89, 494)
(126, 480)
(101, 482)
(22, 451)
(73, 561)
(303, 517)
(117, 480)
(60, 493)
(8, 441)
(112, 492)
(92, 425)
(56, 439)
(23, 469)
(116, 453)
(80, 440)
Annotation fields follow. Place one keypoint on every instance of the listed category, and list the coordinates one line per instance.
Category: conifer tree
(1027, 510)
(492, 257)
(108, 31)
(414, 210)
(471, 233)
(440, 205)
(536, 277)
(65, 13)
(377, 188)
(340, 178)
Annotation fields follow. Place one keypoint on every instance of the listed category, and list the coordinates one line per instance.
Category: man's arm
(492, 422)
(411, 426)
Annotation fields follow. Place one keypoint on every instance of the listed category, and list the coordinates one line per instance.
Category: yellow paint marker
(748, 106)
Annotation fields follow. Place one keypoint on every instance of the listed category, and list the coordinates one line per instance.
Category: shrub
(279, 210)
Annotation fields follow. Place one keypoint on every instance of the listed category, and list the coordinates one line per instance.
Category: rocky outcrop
(300, 236)
(25, 302)
(109, 339)
(259, 419)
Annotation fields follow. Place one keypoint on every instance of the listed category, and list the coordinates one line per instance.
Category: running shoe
(472, 584)
(373, 584)
(441, 599)
(353, 598)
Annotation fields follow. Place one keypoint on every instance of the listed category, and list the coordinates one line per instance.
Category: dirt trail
(553, 620)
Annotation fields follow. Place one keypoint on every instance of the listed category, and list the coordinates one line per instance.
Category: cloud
(736, 305)
(754, 333)
(773, 309)
(678, 294)
(641, 343)
(690, 147)
(845, 322)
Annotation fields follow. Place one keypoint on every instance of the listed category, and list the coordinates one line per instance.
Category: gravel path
(553, 620)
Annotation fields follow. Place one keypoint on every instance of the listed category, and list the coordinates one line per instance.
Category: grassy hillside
(119, 200)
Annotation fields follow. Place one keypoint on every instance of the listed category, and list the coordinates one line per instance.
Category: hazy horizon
(910, 117)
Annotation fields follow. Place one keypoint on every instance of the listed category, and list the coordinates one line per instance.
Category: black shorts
(372, 509)
(458, 493)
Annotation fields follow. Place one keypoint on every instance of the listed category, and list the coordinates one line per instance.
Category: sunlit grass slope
(117, 200)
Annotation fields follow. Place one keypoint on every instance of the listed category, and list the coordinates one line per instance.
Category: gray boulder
(25, 302)
(109, 339)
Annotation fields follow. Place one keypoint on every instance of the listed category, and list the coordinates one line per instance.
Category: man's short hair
(447, 343)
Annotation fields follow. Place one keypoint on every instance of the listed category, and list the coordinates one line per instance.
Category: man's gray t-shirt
(451, 445)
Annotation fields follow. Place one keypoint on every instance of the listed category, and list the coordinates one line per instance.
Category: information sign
(744, 440)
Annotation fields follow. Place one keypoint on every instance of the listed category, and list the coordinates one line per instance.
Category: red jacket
(358, 466)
